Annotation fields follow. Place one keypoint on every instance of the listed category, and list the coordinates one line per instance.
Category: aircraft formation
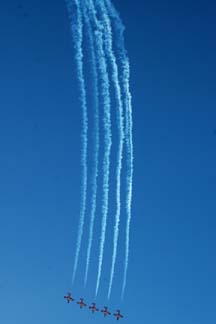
(93, 307)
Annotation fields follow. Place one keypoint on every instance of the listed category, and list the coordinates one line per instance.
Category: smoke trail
(115, 77)
(96, 138)
(129, 125)
(102, 66)
(75, 17)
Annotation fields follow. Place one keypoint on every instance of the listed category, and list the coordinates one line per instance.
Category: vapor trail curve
(108, 43)
(75, 17)
(128, 125)
(104, 77)
(96, 138)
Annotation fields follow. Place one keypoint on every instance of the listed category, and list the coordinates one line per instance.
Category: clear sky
(171, 277)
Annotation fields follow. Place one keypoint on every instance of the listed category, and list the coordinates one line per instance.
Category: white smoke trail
(96, 137)
(102, 66)
(115, 77)
(129, 125)
(75, 17)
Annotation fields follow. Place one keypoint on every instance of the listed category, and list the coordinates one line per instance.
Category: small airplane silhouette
(93, 308)
(118, 315)
(105, 311)
(22, 12)
(81, 303)
(69, 298)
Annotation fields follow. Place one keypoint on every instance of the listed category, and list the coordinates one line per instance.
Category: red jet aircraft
(105, 311)
(118, 315)
(93, 308)
(81, 303)
(69, 298)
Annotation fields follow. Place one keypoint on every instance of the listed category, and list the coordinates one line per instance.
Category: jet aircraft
(105, 311)
(93, 308)
(118, 315)
(69, 298)
(81, 303)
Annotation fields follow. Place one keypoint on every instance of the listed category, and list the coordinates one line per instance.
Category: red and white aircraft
(118, 315)
(81, 303)
(69, 298)
(105, 311)
(93, 308)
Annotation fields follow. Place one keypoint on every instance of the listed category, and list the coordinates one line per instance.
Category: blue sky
(171, 277)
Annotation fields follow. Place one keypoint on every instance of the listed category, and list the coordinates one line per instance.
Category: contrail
(115, 77)
(96, 138)
(129, 127)
(76, 22)
(102, 66)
